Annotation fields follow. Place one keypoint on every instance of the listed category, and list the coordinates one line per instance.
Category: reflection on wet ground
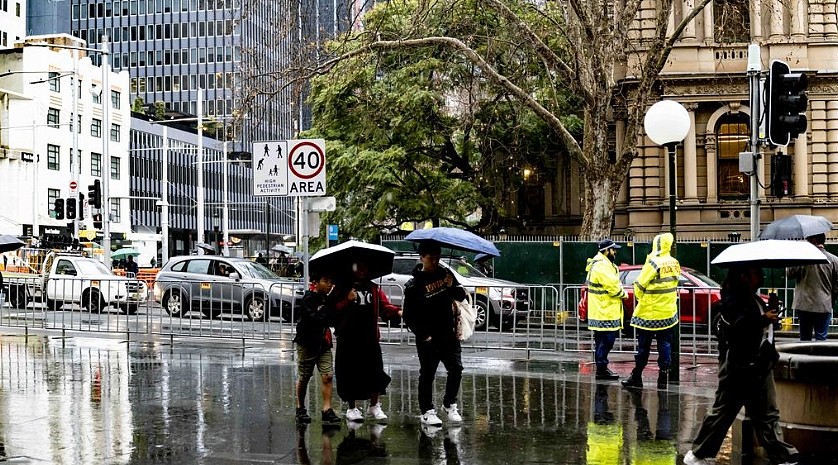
(102, 401)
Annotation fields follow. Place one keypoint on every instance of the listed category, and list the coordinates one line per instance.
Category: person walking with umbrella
(746, 359)
(656, 289)
(428, 299)
(814, 292)
(359, 366)
(605, 305)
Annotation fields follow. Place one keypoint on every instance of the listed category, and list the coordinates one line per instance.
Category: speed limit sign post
(289, 168)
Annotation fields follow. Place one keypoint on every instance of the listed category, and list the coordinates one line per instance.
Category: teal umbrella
(124, 253)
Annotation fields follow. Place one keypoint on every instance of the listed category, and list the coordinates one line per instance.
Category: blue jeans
(644, 346)
(809, 321)
(603, 343)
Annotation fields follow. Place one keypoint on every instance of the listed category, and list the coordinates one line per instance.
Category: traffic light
(786, 101)
(94, 194)
(71, 208)
(781, 175)
(97, 221)
(58, 208)
(81, 207)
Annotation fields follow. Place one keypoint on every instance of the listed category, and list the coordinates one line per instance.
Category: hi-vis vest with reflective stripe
(605, 295)
(656, 289)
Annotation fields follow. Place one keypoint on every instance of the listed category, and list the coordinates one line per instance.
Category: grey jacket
(817, 285)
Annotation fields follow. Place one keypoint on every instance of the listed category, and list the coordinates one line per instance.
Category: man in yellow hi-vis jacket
(656, 290)
(605, 305)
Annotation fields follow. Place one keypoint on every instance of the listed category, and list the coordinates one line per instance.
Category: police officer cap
(606, 244)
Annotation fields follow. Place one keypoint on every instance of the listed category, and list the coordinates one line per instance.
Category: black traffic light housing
(94, 194)
(81, 207)
(71, 208)
(97, 221)
(58, 207)
(786, 101)
(781, 175)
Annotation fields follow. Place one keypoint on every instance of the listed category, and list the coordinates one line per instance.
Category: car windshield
(463, 268)
(92, 267)
(256, 270)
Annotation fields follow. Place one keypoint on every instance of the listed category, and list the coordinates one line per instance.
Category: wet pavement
(100, 400)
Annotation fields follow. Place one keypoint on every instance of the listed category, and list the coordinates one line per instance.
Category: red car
(697, 293)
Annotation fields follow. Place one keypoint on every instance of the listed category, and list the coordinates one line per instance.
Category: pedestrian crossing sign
(289, 168)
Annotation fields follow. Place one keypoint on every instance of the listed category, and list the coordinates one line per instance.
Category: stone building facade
(706, 72)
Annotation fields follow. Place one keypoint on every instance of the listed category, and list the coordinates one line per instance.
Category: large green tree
(526, 49)
(419, 135)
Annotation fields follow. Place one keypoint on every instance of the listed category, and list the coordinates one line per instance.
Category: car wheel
(92, 301)
(482, 320)
(18, 297)
(175, 303)
(256, 308)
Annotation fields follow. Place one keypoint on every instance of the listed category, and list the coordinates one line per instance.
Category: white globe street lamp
(667, 123)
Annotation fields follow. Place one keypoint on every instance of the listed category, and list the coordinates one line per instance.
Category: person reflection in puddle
(355, 449)
(428, 448)
(302, 449)
(605, 435)
(653, 448)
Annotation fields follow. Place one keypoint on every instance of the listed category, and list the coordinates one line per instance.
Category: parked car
(696, 292)
(213, 285)
(499, 303)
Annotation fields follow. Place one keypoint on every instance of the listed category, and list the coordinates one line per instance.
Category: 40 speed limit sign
(289, 168)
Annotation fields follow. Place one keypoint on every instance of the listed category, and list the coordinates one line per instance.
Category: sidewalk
(94, 401)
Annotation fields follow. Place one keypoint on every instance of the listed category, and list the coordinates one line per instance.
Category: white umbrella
(770, 253)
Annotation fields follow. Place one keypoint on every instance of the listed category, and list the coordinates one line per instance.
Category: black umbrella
(338, 260)
(9, 243)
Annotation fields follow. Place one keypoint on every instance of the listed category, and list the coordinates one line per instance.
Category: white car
(499, 302)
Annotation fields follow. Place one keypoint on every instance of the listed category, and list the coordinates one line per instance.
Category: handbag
(466, 316)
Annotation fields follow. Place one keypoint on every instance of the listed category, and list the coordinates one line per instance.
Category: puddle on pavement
(142, 403)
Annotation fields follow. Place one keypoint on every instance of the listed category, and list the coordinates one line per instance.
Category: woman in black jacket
(428, 312)
(746, 359)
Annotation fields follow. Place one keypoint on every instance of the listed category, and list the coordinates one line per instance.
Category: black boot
(605, 373)
(663, 379)
(634, 381)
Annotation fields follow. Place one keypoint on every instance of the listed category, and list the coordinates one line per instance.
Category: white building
(37, 100)
(12, 22)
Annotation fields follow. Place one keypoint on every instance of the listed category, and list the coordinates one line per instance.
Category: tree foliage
(528, 54)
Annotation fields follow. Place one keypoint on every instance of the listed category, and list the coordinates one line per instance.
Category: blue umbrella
(481, 257)
(456, 239)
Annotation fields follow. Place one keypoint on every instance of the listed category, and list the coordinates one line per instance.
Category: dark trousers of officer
(603, 343)
(430, 354)
(644, 346)
(737, 388)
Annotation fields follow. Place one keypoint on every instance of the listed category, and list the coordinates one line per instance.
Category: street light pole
(106, 157)
(754, 72)
(225, 220)
(164, 199)
(200, 195)
(74, 120)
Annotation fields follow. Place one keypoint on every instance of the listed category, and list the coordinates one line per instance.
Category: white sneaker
(430, 418)
(376, 412)
(430, 430)
(452, 413)
(354, 414)
(354, 425)
(691, 459)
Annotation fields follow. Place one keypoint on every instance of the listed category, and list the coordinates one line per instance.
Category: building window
(115, 167)
(96, 164)
(53, 117)
(732, 21)
(96, 128)
(97, 97)
(115, 211)
(115, 132)
(52, 194)
(732, 137)
(54, 81)
(116, 99)
(53, 157)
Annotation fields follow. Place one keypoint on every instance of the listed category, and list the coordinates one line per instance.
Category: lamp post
(667, 123)
(215, 226)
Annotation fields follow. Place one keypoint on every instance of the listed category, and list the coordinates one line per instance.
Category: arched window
(732, 136)
(732, 21)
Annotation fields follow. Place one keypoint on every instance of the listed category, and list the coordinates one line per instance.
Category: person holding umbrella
(428, 299)
(746, 359)
(814, 292)
(359, 366)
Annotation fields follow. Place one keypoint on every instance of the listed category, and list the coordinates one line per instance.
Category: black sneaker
(606, 374)
(302, 416)
(633, 382)
(329, 416)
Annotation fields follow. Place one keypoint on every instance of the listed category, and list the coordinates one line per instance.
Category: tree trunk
(601, 192)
